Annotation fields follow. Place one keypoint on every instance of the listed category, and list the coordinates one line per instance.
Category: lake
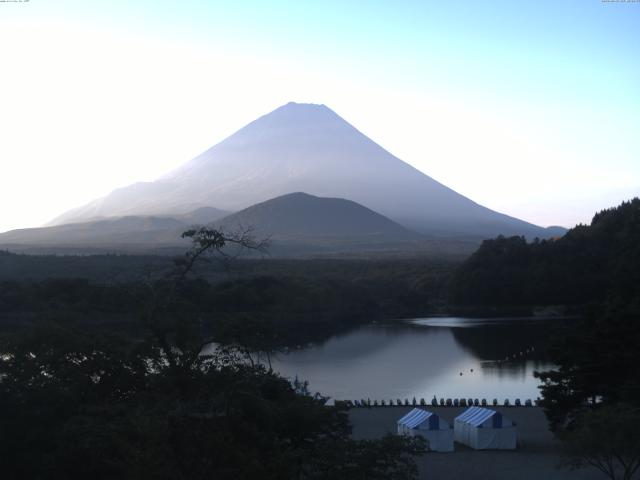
(449, 357)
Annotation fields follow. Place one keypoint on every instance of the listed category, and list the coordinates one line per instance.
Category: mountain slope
(305, 147)
(122, 231)
(132, 230)
(202, 216)
(303, 217)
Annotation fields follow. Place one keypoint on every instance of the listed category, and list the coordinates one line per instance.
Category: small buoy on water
(460, 373)
(472, 369)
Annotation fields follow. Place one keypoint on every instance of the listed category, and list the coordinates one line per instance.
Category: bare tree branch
(205, 242)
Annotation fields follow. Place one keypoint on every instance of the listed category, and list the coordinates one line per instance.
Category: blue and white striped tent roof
(417, 417)
(476, 416)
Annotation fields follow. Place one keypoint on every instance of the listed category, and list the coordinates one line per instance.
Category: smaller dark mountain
(300, 217)
(586, 265)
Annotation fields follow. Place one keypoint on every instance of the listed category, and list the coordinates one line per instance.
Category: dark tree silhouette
(102, 403)
(606, 439)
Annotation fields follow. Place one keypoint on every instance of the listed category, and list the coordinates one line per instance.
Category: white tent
(430, 426)
(482, 429)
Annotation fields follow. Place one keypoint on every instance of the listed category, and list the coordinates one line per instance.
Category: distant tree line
(301, 300)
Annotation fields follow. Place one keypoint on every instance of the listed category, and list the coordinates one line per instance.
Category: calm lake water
(426, 357)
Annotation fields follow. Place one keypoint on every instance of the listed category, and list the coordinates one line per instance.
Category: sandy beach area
(536, 457)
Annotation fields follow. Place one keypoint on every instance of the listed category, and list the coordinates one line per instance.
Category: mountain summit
(306, 148)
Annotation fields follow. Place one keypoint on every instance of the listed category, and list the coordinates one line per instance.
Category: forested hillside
(584, 266)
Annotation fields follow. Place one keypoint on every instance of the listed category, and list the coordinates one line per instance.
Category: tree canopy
(584, 266)
(86, 402)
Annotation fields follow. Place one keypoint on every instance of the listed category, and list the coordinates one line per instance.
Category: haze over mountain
(306, 148)
(295, 224)
(114, 234)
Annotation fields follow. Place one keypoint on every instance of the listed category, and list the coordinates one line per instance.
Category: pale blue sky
(528, 107)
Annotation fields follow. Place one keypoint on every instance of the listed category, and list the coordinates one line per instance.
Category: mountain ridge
(296, 223)
(308, 148)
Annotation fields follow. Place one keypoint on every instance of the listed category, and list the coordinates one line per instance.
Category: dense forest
(300, 300)
(81, 396)
(592, 399)
(583, 267)
(106, 368)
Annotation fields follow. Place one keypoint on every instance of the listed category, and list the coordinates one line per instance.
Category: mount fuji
(306, 148)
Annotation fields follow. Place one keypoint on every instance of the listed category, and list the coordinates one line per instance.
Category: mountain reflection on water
(447, 357)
